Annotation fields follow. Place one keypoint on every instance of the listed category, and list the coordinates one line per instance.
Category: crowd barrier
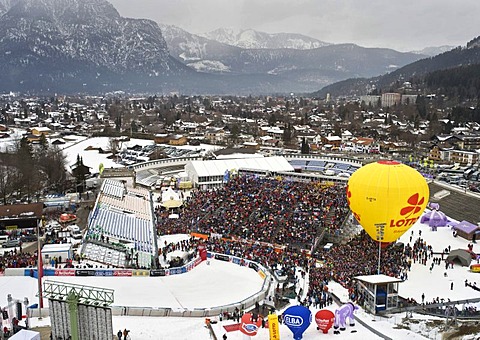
(244, 304)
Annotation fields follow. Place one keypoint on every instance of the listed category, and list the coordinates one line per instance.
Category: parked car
(12, 243)
(29, 238)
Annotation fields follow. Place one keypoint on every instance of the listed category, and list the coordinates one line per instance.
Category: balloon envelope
(387, 198)
(324, 319)
(248, 326)
(297, 319)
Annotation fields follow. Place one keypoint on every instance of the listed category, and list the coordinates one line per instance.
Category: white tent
(170, 194)
(171, 199)
(25, 334)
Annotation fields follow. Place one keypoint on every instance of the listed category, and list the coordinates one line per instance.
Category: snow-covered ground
(87, 148)
(78, 145)
(223, 283)
(226, 283)
(435, 284)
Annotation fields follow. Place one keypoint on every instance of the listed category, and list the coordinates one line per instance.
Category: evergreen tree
(118, 123)
(26, 168)
(43, 142)
(133, 127)
(287, 134)
(421, 106)
(272, 120)
(305, 149)
(80, 173)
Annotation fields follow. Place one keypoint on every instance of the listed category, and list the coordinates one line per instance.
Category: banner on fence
(125, 272)
(64, 272)
(157, 272)
(140, 272)
(84, 272)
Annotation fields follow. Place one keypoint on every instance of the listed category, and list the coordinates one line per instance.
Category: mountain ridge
(252, 39)
(85, 45)
(318, 66)
(457, 57)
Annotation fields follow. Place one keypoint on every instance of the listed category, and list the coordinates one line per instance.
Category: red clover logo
(415, 205)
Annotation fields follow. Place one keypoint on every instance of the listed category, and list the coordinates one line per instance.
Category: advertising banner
(104, 273)
(237, 260)
(125, 272)
(48, 272)
(157, 272)
(140, 272)
(64, 272)
(84, 272)
(193, 264)
(176, 271)
(222, 257)
(253, 265)
(273, 327)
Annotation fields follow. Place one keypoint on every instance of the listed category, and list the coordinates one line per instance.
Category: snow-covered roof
(218, 167)
(56, 247)
(376, 279)
(333, 138)
(41, 128)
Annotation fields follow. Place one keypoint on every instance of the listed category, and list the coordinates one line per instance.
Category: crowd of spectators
(17, 259)
(262, 218)
(265, 219)
(264, 209)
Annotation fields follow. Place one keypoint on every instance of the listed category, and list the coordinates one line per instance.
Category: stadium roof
(218, 167)
(32, 210)
(377, 279)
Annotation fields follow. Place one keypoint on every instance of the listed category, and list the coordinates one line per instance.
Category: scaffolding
(88, 295)
(79, 310)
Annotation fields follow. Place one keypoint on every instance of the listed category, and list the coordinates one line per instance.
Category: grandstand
(121, 227)
(210, 174)
(149, 177)
(324, 165)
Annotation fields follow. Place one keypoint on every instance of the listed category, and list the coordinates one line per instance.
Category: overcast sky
(403, 25)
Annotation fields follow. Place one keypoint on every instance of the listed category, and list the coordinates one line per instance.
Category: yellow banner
(140, 272)
(273, 327)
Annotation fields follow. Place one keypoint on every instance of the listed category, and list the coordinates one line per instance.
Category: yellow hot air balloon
(387, 198)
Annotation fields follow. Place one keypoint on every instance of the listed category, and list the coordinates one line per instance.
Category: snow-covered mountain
(322, 64)
(4, 6)
(434, 50)
(86, 46)
(200, 53)
(72, 41)
(252, 39)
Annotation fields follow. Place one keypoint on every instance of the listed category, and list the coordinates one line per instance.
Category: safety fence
(244, 304)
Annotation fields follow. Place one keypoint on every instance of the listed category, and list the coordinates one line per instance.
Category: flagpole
(39, 273)
(379, 255)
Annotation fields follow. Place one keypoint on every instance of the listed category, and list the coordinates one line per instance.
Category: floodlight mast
(39, 272)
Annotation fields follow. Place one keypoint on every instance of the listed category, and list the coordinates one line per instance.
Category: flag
(39, 269)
